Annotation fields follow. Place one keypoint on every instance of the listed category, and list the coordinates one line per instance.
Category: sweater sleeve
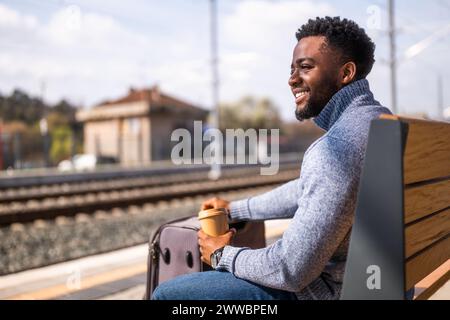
(321, 221)
(279, 203)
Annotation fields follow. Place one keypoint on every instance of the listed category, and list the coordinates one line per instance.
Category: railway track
(51, 177)
(45, 221)
(126, 193)
(44, 242)
(77, 189)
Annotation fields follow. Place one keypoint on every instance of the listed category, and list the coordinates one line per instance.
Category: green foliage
(21, 114)
(21, 107)
(250, 112)
(61, 146)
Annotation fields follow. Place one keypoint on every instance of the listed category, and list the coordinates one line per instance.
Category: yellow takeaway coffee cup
(214, 222)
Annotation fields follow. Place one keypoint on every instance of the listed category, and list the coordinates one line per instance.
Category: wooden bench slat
(428, 292)
(423, 264)
(407, 233)
(421, 201)
(427, 151)
(423, 233)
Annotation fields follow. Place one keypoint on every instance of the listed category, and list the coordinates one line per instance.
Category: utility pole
(215, 171)
(44, 128)
(1, 144)
(17, 151)
(392, 60)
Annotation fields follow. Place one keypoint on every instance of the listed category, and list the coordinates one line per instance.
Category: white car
(79, 162)
(85, 162)
(65, 165)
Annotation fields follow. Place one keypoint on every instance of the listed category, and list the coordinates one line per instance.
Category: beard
(318, 99)
(310, 110)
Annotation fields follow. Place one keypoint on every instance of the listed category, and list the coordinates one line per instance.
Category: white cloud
(258, 38)
(12, 19)
(267, 25)
(97, 50)
(238, 66)
(73, 47)
(93, 52)
(255, 44)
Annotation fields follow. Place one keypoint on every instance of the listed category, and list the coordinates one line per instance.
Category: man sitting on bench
(330, 63)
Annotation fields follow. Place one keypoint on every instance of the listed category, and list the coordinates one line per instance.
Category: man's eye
(305, 66)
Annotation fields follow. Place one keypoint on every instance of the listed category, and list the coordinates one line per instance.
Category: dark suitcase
(174, 249)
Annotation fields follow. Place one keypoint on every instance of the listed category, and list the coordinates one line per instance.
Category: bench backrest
(401, 231)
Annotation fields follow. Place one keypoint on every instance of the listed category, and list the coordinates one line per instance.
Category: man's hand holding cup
(215, 233)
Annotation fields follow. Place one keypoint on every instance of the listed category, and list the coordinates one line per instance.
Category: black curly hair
(345, 35)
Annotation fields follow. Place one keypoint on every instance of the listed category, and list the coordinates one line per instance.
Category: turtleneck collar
(341, 100)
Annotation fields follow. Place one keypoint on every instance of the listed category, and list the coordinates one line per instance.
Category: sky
(88, 51)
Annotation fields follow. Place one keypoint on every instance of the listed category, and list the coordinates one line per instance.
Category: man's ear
(348, 73)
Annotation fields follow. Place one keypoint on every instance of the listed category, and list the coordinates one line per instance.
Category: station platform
(121, 275)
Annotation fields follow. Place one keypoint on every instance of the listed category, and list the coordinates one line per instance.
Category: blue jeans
(216, 285)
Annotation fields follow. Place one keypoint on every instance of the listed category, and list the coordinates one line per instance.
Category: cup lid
(211, 212)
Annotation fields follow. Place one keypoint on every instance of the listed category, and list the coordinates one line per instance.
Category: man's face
(314, 76)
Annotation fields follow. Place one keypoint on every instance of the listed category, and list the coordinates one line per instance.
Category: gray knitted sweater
(310, 257)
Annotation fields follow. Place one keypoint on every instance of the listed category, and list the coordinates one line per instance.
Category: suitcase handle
(166, 256)
(189, 259)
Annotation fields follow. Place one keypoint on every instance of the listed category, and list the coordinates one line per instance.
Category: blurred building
(446, 114)
(137, 128)
(414, 115)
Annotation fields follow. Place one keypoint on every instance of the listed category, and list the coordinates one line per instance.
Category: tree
(21, 107)
(250, 112)
(61, 143)
(21, 114)
(65, 108)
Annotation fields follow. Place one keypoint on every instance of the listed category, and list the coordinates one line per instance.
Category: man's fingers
(202, 235)
(206, 206)
(212, 203)
(205, 261)
(209, 204)
(230, 233)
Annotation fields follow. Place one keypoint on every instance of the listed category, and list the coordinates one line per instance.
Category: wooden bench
(401, 231)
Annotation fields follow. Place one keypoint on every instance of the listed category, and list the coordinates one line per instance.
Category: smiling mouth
(301, 96)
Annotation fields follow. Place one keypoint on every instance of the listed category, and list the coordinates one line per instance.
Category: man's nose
(294, 79)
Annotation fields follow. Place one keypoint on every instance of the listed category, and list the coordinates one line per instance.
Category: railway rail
(88, 202)
(26, 246)
(48, 177)
(119, 184)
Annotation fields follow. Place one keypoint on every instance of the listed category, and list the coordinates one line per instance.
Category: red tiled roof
(153, 95)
